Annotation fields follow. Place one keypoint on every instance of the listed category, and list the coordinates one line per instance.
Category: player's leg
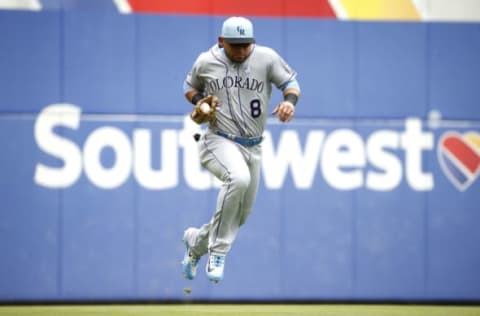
(196, 242)
(254, 164)
(226, 161)
(197, 239)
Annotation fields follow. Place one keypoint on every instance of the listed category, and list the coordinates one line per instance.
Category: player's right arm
(193, 84)
(190, 94)
(204, 107)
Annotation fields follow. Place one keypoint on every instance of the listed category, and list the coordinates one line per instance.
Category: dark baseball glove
(202, 113)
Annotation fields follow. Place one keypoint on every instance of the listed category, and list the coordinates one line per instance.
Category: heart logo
(459, 157)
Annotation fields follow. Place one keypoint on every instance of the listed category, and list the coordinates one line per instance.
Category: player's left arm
(286, 109)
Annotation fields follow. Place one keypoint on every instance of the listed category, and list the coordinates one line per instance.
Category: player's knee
(240, 181)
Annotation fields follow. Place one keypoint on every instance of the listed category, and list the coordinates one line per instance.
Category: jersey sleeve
(193, 79)
(280, 72)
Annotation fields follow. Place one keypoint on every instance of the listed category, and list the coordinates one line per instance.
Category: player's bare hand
(284, 111)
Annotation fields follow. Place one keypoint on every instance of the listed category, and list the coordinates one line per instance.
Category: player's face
(237, 52)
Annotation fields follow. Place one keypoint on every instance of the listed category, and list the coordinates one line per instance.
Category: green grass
(239, 309)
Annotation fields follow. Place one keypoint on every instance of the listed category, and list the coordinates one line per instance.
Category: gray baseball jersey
(244, 89)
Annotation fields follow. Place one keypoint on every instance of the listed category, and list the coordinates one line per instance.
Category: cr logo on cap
(240, 30)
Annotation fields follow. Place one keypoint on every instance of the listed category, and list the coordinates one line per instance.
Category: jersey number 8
(255, 108)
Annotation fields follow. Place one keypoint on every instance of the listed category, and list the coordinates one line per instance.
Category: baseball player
(230, 87)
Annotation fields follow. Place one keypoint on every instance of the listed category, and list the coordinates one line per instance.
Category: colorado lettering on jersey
(228, 82)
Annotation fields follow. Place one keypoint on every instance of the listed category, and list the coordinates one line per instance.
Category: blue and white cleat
(215, 265)
(189, 263)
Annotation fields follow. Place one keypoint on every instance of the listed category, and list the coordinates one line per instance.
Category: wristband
(292, 98)
(197, 97)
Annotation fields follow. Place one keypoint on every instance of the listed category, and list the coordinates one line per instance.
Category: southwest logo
(459, 157)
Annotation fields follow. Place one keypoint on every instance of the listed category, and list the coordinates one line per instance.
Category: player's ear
(220, 42)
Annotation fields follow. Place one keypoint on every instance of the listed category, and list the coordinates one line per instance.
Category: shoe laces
(217, 260)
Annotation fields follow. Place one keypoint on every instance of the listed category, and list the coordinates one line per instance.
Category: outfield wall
(369, 194)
